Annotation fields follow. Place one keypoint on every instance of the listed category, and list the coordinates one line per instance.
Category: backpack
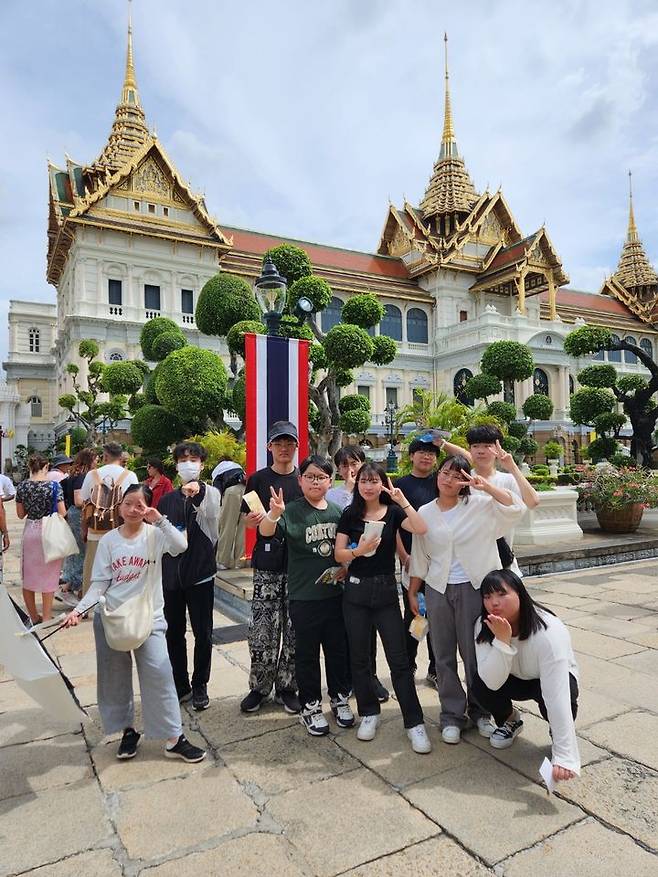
(100, 513)
(230, 478)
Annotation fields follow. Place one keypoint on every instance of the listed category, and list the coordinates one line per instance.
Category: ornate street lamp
(271, 289)
(391, 427)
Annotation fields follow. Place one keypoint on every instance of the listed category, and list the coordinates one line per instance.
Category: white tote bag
(131, 623)
(57, 539)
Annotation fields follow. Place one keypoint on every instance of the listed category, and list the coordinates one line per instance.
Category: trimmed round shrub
(154, 427)
(517, 429)
(347, 346)
(589, 402)
(122, 377)
(149, 387)
(150, 331)
(537, 407)
(290, 327)
(314, 288)
(511, 444)
(192, 382)
(508, 360)
(67, 401)
(598, 376)
(587, 339)
(355, 422)
(608, 422)
(142, 366)
(88, 348)
(631, 383)
(363, 310)
(527, 446)
(602, 448)
(224, 301)
(481, 386)
(136, 402)
(239, 396)
(167, 342)
(354, 402)
(235, 335)
(344, 377)
(291, 262)
(318, 356)
(96, 368)
(384, 350)
(504, 411)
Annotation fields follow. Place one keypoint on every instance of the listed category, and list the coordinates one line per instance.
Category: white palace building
(128, 239)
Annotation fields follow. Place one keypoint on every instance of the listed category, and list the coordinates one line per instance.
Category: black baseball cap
(281, 428)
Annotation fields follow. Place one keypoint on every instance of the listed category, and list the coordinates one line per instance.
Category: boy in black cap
(271, 637)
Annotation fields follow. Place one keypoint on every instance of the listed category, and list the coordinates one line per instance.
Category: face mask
(188, 471)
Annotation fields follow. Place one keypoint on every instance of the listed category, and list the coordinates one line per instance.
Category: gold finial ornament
(632, 234)
(634, 271)
(448, 140)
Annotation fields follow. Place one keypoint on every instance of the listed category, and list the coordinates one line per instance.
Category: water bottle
(421, 605)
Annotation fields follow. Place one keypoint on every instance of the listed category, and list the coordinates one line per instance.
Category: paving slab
(12, 697)
(617, 682)
(621, 793)
(438, 855)
(286, 759)
(598, 644)
(255, 855)
(645, 662)
(22, 726)
(226, 679)
(585, 850)
(78, 664)
(47, 764)
(33, 835)
(649, 639)
(186, 811)
(490, 809)
(614, 627)
(149, 766)
(98, 863)
(633, 735)
(348, 820)
(223, 722)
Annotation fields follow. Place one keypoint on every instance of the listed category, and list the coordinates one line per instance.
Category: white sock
(170, 746)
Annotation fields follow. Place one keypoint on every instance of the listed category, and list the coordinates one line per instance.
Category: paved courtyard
(270, 800)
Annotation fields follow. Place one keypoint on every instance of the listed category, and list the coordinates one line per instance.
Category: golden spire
(634, 270)
(129, 94)
(450, 189)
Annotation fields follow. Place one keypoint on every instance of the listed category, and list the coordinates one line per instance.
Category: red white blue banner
(276, 382)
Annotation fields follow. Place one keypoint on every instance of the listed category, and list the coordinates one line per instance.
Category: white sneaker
(420, 742)
(312, 718)
(342, 711)
(504, 736)
(485, 727)
(451, 734)
(367, 728)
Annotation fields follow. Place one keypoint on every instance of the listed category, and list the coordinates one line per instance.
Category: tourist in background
(524, 652)
(371, 598)
(35, 499)
(157, 481)
(59, 468)
(452, 557)
(7, 488)
(228, 478)
(84, 461)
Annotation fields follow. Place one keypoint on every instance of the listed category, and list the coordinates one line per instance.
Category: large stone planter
(622, 520)
(554, 520)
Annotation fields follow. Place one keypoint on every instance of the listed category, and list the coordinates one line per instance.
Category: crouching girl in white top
(524, 653)
(121, 572)
(452, 557)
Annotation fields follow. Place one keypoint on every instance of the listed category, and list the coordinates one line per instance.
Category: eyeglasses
(451, 476)
(316, 479)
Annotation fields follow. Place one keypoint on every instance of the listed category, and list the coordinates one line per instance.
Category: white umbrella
(33, 669)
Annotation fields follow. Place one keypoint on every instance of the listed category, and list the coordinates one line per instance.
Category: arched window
(391, 323)
(647, 346)
(540, 382)
(36, 408)
(417, 326)
(614, 355)
(629, 356)
(572, 385)
(331, 314)
(34, 340)
(115, 356)
(459, 386)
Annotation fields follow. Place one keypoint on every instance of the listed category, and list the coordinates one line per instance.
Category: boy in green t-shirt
(308, 525)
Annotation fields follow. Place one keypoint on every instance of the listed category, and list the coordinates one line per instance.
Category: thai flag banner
(276, 383)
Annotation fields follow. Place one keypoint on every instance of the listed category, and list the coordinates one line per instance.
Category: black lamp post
(391, 426)
(271, 290)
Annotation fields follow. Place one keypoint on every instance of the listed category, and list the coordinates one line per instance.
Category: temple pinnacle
(448, 140)
(632, 234)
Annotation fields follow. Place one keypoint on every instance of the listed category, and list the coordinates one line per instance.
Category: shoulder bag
(57, 539)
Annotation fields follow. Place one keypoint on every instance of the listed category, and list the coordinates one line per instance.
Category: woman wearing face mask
(188, 578)
(120, 573)
(371, 597)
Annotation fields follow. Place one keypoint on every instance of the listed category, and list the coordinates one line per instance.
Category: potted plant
(619, 497)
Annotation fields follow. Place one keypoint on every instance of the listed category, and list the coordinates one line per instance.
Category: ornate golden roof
(450, 189)
(634, 270)
(129, 130)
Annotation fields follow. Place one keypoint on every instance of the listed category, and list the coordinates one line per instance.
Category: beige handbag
(129, 625)
(57, 539)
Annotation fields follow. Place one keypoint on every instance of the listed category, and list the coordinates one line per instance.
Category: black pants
(412, 642)
(499, 703)
(198, 601)
(374, 602)
(319, 623)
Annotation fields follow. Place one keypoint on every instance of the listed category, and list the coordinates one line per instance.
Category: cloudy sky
(303, 119)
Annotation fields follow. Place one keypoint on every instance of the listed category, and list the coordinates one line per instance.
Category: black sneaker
(252, 702)
(289, 701)
(382, 693)
(200, 699)
(185, 696)
(504, 736)
(129, 743)
(185, 750)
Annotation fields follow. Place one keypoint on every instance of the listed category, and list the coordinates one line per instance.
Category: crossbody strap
(53, 498)
(151, 549)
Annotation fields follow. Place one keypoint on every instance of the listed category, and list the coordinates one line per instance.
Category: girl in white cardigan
(452, 557)
(524, 653)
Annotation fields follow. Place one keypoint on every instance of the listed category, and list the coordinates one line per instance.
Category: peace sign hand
(477, 482)
(504, 457)
(277, 503)
(395, 493)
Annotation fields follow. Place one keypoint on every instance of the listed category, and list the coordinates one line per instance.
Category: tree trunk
(643, 424)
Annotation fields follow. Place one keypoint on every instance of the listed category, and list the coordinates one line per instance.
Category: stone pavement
(270, 800)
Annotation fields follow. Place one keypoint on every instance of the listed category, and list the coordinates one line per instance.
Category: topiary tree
(167, 342)
(633, 392)
(384, 350)
(537, 407)
(314, 288)
(482, 386)
(504, 411)
(362, 310)
(153, 428)
(150, 331)
(122, 378)
(508, 361)
(192, 384)
(235, 335)
(292, 263)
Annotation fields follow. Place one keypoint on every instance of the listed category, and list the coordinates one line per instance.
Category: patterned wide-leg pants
(271, 636)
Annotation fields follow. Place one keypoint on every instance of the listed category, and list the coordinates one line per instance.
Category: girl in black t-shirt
(371, 598)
